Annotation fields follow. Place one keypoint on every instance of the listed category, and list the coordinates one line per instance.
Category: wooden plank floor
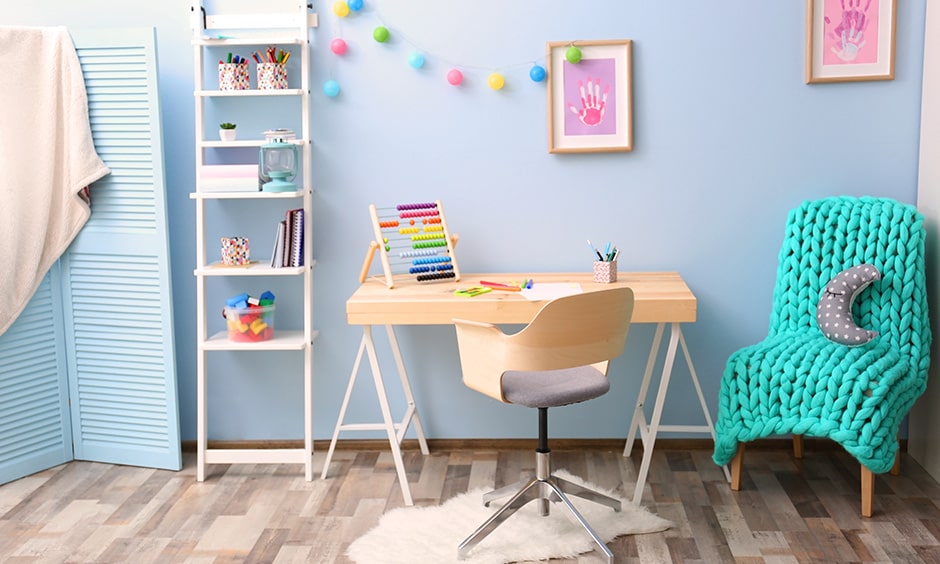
(787, 511)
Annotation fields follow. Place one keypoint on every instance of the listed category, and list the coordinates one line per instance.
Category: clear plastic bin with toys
(250, 319)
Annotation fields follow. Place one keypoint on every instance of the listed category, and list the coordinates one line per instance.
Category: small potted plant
(227, 131)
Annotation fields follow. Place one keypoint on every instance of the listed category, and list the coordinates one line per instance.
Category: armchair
(799, 381)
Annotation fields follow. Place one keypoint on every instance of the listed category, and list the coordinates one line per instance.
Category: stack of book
(289, 242)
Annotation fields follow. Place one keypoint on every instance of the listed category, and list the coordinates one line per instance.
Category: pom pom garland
(331, 88)
(338, 46)
(341, 8)
(537, 73)
(380, 34)
(496, 81)
(454, 77)
(573, 55)
(417, 59)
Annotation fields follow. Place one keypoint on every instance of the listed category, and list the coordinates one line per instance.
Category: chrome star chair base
(560, 358)
(543, 488)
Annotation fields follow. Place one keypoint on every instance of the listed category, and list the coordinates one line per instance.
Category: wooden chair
(801, 381)
(559, 358)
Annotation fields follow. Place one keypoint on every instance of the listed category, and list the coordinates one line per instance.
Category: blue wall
(727, 139)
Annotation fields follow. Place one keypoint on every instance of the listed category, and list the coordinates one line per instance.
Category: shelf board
(282, 341)
(247, 195)
(224, 40)
(216, 143)
(243, 29)
(251, 92)
(257, 269)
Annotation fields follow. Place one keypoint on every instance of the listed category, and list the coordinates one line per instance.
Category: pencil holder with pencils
(272, 76)
(234, 76)
(605, 271)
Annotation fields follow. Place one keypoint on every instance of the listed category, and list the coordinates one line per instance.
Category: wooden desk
(660, 297)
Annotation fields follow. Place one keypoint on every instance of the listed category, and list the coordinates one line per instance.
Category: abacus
(413, 240)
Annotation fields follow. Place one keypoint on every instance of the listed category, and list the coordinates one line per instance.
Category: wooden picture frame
(590, 103)
(850, 40)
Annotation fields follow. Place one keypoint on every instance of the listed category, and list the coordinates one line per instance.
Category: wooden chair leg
(737, 465)
(896, 469)
(868, 491)
(797, 446)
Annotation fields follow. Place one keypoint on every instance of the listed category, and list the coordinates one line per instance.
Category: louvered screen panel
(34, 424)
(119, 350)
(117, 84)
(118, 300)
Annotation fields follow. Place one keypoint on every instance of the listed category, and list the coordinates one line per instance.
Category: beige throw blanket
(47, 157)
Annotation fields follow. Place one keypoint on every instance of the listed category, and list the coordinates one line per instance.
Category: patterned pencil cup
(235, 251)
(272, 76)
(605, 271)
(234, 76)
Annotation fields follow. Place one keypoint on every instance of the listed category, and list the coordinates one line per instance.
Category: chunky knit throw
(796, 380)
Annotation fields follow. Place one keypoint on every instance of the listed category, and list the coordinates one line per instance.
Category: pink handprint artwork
(854, 39)
(593, 104)
(590, 96)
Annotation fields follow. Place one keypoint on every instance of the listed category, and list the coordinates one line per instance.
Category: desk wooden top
(661, 297)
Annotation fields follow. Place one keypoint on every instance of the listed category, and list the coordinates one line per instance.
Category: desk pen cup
(272, 76)
(234, 76)
(250, 324)
(605, 271)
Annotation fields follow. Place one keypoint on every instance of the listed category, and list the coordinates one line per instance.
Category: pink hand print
(851, 29)
(854, 17)
(592, 103)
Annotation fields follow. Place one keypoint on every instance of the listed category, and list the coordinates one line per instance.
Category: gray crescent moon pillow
(834, 311)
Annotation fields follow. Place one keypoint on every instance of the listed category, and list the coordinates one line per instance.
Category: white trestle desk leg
(395, 431)
(701, 398)
(342, 410)
(411, 414)
(649, 438)
(639, 418)
(393, 441)
(648, 433)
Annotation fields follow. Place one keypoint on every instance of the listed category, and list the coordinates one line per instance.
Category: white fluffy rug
(430, 535)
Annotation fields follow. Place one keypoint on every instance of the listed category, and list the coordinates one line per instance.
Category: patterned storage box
(234, 76)
(272, 76)
(235, 251)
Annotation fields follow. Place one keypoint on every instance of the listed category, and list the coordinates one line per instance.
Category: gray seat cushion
(552, 388)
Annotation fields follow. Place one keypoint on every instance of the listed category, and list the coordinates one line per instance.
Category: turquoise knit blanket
(797, 381)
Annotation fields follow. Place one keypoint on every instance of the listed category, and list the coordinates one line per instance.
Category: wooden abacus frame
(381, 242)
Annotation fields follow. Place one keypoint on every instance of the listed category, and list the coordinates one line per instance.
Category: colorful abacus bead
(435, 276)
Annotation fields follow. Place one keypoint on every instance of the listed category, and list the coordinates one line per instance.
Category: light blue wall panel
(727, 137)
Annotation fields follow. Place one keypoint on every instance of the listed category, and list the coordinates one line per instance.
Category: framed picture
(850, 40)
(590, 102)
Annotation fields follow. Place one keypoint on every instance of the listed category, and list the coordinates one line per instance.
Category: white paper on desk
(543, 291)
